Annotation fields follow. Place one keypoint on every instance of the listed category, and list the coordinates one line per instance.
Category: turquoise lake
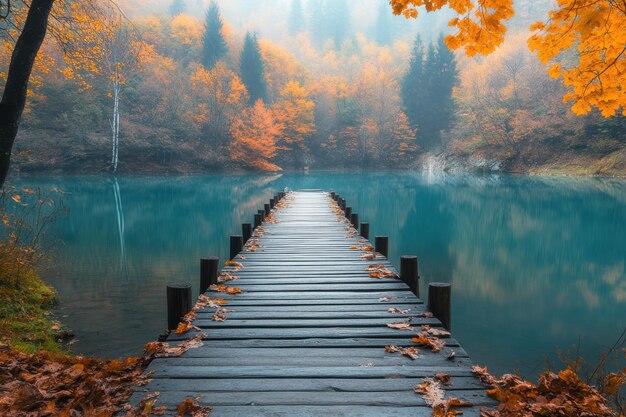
(537, 265)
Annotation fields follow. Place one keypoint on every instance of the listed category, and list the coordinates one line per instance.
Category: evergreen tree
(177, 7)
(427, 90)
(384, 25)
(319, 22)
(252, 70)
(339, 22)
(444, 80)
(213, 43)
(296, 18)
(411, 88)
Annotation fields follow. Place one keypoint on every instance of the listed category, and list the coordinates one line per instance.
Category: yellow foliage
(255, 133)
(593, 29)
(186, 30)
(295, 112)
(597, 31)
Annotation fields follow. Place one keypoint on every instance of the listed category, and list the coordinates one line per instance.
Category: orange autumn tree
(218, 95)
(593, 29)
(255, 133)
(295, 112)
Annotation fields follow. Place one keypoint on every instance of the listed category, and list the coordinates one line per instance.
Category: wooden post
(281, 195)
(343, 204)
(178, 303)
(332, 195)
(348, 213)
(262, 214)
(236, 245)
(208, 272)
(365, 230)
(409, 273)
(336, 197)
(439, 302)
(381, 245)
(354, 219)
(258, 219)
(246, 230)
(272, 203)
(267, 209)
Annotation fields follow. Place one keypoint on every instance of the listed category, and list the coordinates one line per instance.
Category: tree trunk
(16, 87)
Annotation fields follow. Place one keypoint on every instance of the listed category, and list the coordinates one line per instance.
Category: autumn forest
(192, 86)
(313, 208)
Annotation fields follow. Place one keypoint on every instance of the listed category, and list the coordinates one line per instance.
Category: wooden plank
(277, 371)
(301, 384)
(393, 398)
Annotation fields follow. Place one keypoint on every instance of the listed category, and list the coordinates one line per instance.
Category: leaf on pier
(225, 288)
(435, 332)
(386, 298)
(405, 325)
(398, 311)
(183, 327)
(164, 350)
(191, 407)
(426, 315)
(225, 276)
(367, 248)
(443, 378)
(234, 264)
(434, 396)
(380, 271)
(410, 352)
(434, 343)
(369, 256)
(353, 247)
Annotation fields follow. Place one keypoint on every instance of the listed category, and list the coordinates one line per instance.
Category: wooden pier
(309, 334)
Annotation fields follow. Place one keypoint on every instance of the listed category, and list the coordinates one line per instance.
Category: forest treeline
(183, 90)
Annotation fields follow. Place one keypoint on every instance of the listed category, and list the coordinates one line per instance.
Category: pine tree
(443, 83)
(411, 88)
(213, 43)
(427, 90)
(177, 7)
(319, 22)
(252, 69)
(296, 18)
(384, 25)
(339, 22)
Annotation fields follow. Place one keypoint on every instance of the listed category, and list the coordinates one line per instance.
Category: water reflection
(536, 263)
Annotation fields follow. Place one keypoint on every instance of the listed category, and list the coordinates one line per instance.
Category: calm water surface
(537, 264)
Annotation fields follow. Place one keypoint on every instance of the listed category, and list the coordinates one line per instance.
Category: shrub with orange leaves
(563, 394)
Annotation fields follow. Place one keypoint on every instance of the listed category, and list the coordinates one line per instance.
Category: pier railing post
(354, 219)
(409, 273)
(246, 230)
(272, 203)
(236, 245)
(348, 212)
(381, 245)
(365, 230)
(332, 195)
(267, 209)
(208, 272)
(258, 219)
(262, 214)
(178, 303)
(439, 302)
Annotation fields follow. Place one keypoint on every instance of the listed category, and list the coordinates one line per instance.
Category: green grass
(26, 323)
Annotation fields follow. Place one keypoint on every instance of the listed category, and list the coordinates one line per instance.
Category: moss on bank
(26, 322)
